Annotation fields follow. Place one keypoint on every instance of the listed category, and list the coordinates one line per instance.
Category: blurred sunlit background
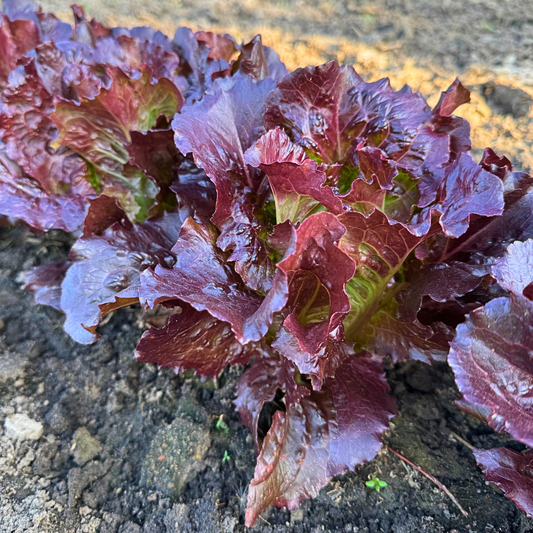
(423, 43)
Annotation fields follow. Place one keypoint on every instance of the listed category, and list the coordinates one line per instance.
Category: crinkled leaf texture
(514, 271)
(317, 272)
(259, 385)
(308, 223)
(106, 270)
(466, 189)
(297, 182)
(329, 110)
(17, 38)
(491, 354)
(78, 98)
(320, 434)
(512, 472)
(202, 277)
(99, 128)
(193, 340)
(25, 198)
(217, 131)
(378, 248)
(53, 183)
(45, 282)
(491, 357)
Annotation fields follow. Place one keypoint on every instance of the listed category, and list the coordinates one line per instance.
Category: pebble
(176, 456)
(12, 366)
(22, 427)
(84, 446)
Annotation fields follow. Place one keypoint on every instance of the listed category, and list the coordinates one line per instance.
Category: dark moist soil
(129, 487)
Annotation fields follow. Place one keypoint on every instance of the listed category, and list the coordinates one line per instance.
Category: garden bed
(127, 405)
(131, 449)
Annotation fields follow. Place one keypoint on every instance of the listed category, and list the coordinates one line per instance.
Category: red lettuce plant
(307, 224)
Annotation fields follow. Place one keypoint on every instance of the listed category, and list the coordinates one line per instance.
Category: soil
(115, 453)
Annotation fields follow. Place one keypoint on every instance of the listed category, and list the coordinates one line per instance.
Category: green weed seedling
(376, 483)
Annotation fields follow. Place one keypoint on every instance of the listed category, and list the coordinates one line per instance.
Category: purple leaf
(297, 182)
(456, 128)
(314, 106)
(252, 60)
(99, 128)
(156, 156)
(528, 292)
(500, 166)
(203, 57)
(27, 130)
(329, 110)
(455, 96)
(218, 131)
(203, 278)
(318, 366)
(131, 50)
(194, 190)
(276, 68)
(49, 26)
(103, 212)
(514, 271)
(292, 464)
(222, 45)
(17, 38)
(365, 197)
(468, 189)
(402, 340)
(317, 272)
(259, 385)
(259, 61)
(364, 408)
(45, 282)
(375, 166)
(442, 282)
(25, 198)
(378, 249)
(244, 234)
(319, 435)
(490, 237)
(459, 192)
(193, 340)
(512, 472)
(107, 269)
(477, 411)
(491, 359)
(155, 153)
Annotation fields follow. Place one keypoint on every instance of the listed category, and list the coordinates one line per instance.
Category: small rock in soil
(84, 446)
(59, 419)
(12, 366)
(177, 518)
(297, 515)
(22, 427)
(176, 456)
(79, 479)
(130, 527)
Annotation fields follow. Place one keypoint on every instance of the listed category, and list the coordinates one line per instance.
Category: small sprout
(221, 426)
(376, 483)
(226, 457)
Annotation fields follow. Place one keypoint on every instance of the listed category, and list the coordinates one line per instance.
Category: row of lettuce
(308, 222)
